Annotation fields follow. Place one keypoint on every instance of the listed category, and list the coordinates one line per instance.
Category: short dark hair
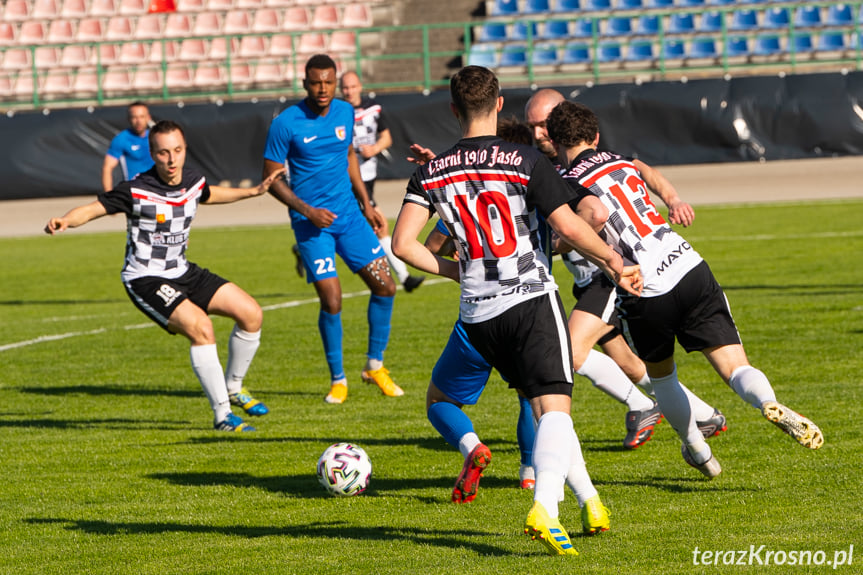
(164, 127)
(571, 123)
(474, 91)
(135, 104)
(512, 130)
(320, 62)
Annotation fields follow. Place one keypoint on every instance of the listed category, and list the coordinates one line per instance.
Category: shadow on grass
(430, 443)
(23, 302)
(678, 484)
(118, 390)
(333, 531)
(110, 423)
(306, 485)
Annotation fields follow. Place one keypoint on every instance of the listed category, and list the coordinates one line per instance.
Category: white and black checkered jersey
(158, 220)
(369, 121)
(635, 228)
(488, 193)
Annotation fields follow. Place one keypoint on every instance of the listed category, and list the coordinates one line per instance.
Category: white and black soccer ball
(345, 469)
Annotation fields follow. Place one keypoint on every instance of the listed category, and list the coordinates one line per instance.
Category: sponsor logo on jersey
(309, 139)
(160, 218)
(672, 256)
(341, 132)
(162, 239)
(136, 147)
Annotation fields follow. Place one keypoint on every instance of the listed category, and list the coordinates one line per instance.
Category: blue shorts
(461, 372)
(350, 236)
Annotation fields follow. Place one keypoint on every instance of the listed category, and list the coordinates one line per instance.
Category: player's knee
(379, 278)
(200, 331)
(331, 304)
(252, 318)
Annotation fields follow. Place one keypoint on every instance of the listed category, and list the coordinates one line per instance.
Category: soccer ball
(344, 469)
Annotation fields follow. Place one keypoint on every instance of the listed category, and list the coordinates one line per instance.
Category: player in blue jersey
(325, 196)
(130, 148)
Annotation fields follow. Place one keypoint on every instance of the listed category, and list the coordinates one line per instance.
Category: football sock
(450, 421)
(241, 350)
(373, 364)
(467, 442)
(205, 364)
(398, 266)
(551, 458)
(752, 385)
(607, 376)
(379, 315)
(525, 431)
(577, 477)
(330, 326)
(700, 408)
(675, 407)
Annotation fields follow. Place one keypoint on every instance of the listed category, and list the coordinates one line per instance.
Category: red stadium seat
(179, 76)
(237, 22)
(90, 30)
(325, 16)
(47, 57)
(343, 42)
(119, 28)
(357, 16)
(280, 45)
(17, 59)
(17, 10)
(8, 33)
(147, 79)
(209, 76)
(32, 32)
(208, 24)
(75, 56)
(45, 9)
(312, 43)
(148, 26)
(253, 47)
(74, 9)
(193, 50)
(266, 20)
(133, 7)
(103, 8)
(61, 32)
(178, 25)
(133, 53)
(296, 18)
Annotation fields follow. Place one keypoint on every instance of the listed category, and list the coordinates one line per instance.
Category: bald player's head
(536, 112)
(352, 88)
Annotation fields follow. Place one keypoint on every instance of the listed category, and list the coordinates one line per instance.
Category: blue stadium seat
(681, 23)
(737, 46)
(702, 48)
(555, 29)
(776, 17)
(482, 55)
(640, 51)
(690, 3)
(492, 32)
(767, 46)
(566, 6)
(576, 53)
(584, 28)
(504, 7)
(544, 55)
(830, 41)
(618, 26)
(720, 2)
(710, 21)
(802, 43)
(513, 55)
(520, 30)
(839, 15)
(630, 4)
(807, 16)
(597, 5)
(744, 20)
(648, 25)
(673, 49)
(660, 3)
(537, 6)
(609, 52)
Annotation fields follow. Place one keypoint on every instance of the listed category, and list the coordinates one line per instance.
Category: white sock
(552, 450)
(700, 408)
(205, 364)
(373, 364)
(675, 407)
(241, 350)
(467, 443)
(606, 375)
(577, 478)
(398, 266)
(752, 385)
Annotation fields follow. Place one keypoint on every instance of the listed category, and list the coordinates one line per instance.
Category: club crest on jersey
(341, 132)
(160, 218)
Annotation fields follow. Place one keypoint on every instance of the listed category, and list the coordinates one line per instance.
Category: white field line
(283, 305)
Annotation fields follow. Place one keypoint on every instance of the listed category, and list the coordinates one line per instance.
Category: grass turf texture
(110, 464)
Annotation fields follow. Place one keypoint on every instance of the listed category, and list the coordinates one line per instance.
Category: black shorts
(370, 190)
(598, 298)
(158, 297)
(696, 312)
(529, 345)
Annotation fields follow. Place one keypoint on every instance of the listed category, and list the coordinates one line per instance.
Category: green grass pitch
(110, 464)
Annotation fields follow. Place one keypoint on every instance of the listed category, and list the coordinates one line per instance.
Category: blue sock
(450, 421)
(330, 326)
(525, 431)
(379, 314)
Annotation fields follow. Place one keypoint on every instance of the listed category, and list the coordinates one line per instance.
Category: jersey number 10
(492, 217)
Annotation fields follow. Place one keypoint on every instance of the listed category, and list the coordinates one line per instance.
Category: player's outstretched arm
(222, 195)
(108, 172)
(679, 212)
(76, 217)
(421, 155)
(407, 247)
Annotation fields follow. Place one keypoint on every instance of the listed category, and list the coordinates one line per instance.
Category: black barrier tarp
(663, 123)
